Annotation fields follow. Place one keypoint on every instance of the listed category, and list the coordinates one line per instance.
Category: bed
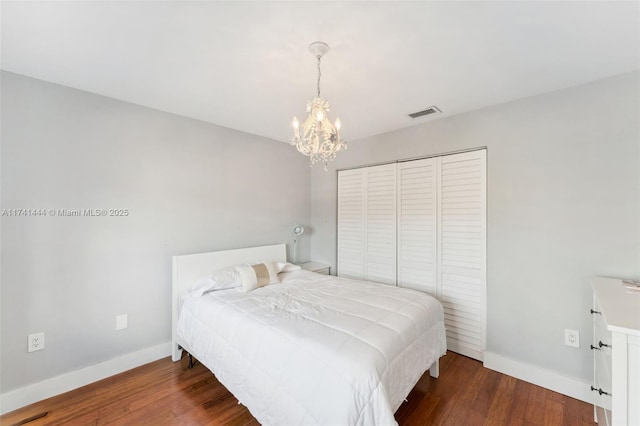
(312, 349)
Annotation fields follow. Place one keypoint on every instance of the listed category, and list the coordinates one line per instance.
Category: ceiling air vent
(428, 111)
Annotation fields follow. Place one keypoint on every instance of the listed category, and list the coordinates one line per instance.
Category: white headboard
(189, 268)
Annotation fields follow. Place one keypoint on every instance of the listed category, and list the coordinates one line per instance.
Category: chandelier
(319, 138)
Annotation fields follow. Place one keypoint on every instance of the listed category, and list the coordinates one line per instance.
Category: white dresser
(616, 352)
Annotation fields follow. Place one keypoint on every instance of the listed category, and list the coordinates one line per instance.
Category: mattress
(316, 349)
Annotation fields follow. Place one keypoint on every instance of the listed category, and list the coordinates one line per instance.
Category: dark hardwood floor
(167, 393)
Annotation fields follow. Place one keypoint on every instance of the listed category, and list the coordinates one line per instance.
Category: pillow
(258, 275)
(218, 280)
(226, 278)
(287, 267)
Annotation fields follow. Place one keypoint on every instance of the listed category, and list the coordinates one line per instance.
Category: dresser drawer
(601, 348)
(601, 380)
(601, 336)
(603, 417)
(603, 373)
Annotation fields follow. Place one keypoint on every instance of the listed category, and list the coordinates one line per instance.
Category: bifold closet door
(380, 246)
(417, 225)
(462, 250)
(367, 223)
(351, 224)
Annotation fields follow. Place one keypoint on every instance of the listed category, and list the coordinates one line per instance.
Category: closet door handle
(595, 348)
(594, 312)
(603, 344)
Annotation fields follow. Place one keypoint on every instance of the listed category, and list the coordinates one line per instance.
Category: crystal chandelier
(319, 138)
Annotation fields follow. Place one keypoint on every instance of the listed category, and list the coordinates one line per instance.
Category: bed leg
(191, 363)
(434, 370)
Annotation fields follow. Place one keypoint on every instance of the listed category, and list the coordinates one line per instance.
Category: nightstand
(317, 267)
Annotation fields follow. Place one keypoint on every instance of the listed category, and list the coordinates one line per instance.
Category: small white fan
(298, 230)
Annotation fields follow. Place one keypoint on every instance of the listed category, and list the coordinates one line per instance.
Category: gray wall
(189, 187)
(563, 205)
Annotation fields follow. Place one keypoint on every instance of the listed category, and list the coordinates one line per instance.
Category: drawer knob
(595, 348)
(600, 391)
(594, 312)
(603, 344)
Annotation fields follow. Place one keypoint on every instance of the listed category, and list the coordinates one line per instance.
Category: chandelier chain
(319, 74)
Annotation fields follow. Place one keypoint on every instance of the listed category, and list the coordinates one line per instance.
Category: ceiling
(245, 65)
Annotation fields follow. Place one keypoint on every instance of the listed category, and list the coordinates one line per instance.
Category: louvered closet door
(462, 256)
(380, 244)
(351, 224)
(417, 225)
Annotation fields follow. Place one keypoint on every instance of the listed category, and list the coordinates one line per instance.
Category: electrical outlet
(36, 342)
(572, 338)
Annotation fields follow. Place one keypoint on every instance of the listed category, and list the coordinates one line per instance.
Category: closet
(421, 224)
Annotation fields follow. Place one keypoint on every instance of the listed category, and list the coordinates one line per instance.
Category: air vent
(428, 111)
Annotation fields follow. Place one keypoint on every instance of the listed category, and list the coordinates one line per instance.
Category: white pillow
(257, 275)
(288, 267)
(218, 280)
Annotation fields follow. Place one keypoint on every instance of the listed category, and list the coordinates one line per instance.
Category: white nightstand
(317, 267)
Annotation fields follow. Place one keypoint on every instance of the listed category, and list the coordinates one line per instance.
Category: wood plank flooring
(167, 393)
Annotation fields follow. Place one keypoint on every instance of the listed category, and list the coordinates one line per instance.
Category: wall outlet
(36, 342)
(122, 322)
(572, 338)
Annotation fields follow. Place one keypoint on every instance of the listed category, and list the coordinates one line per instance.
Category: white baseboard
(549, 379)
(18, 398)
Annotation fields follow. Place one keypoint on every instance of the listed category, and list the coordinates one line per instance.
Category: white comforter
(316, 349)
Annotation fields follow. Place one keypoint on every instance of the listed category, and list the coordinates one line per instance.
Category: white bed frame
(189, 268)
